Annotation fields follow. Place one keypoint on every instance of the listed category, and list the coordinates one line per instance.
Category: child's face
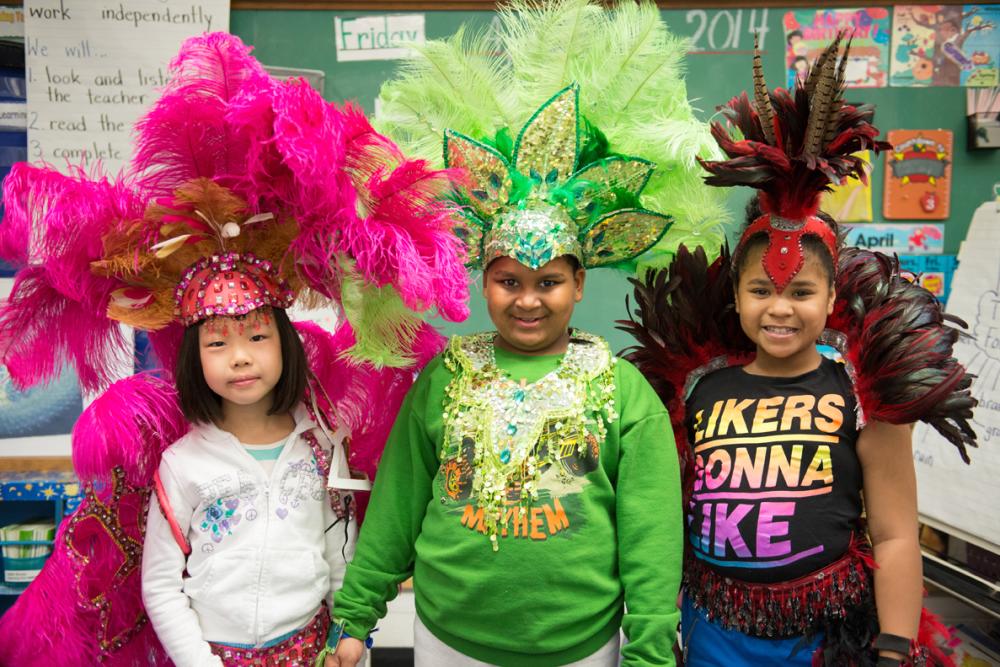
(784, 325)
(241, 359)
(531, 309)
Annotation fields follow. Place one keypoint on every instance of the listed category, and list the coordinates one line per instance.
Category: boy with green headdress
(530, 485)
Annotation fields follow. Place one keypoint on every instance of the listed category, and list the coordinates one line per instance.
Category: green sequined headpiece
(557, 190)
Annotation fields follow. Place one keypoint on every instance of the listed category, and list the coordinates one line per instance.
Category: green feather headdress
(556, 72)
(552, 192)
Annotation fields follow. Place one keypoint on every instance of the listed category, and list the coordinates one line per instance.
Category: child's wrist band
(369, 642)
(894, 643)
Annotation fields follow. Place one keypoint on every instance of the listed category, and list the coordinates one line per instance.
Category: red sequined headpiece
(783, 258)
(229, 284)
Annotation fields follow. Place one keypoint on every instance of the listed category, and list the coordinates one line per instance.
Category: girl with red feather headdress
(785, 450)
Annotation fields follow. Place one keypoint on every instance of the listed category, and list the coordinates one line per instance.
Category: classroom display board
(94, 68)
(975, 297)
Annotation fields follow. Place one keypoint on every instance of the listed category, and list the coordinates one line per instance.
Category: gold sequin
(548, 145)
(622, 235)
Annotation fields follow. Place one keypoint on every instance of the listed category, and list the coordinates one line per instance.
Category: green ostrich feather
(633, 100)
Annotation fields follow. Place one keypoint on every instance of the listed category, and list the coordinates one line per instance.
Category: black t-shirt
(777, 491)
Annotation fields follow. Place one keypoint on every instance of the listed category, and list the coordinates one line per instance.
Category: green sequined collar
(519, 431)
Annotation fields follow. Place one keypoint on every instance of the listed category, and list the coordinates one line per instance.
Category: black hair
(810, 243)
(802, 58)
(794, 33)
(202, 405)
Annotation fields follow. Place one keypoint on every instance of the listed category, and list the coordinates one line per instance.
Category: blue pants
(707, 644)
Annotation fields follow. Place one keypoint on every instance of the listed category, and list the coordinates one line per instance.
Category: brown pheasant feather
(795, 144)
(760, 95)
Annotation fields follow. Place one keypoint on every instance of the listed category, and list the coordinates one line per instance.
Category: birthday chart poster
(945, 45)
(918, 175)
(809, 31)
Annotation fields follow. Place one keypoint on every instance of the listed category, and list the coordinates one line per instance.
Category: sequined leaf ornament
(622, 234)
(548, 145)
(487, 170)
(544, 204)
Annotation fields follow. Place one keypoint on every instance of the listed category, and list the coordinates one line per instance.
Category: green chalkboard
(717, 69)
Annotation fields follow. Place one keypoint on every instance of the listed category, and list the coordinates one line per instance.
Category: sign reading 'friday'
(377, 37)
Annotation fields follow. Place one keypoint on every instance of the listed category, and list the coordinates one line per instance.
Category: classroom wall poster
(932, 272)
(945, 45)
(918, 175)
(809, 31)
(851, 201)
(899, 238)
(94, 68)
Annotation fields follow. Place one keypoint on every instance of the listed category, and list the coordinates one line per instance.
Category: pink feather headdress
(229, 161)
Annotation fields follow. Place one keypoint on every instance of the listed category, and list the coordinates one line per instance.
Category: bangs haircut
(201, 405)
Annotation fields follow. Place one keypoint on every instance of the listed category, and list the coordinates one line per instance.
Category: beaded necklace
(521, 429)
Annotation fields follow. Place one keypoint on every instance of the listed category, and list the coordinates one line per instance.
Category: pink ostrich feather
(128, 427)
(405, 237)
(57, 308)
(186, 134)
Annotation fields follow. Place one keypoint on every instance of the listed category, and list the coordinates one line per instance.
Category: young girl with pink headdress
(218, 515)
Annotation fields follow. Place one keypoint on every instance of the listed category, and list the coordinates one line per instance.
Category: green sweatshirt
(605, 530)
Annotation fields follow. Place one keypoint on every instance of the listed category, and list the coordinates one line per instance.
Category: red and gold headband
(783, 258)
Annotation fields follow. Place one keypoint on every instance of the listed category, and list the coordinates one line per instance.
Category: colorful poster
(915, 239)
(809, 31)
(851, 201)
(918, 175)
(932, 272)
(945, 45)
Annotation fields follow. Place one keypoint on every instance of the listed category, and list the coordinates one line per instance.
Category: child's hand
(349, 652)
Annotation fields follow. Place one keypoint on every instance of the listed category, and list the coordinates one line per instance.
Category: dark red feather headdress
(794, 146)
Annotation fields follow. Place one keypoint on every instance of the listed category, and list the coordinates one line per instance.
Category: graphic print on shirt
(228, 500)
(767, 492)
(533, 443)
(300, 482)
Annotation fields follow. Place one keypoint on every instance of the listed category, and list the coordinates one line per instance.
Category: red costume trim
(784, 258)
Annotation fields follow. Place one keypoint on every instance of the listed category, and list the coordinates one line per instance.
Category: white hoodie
(262, 560)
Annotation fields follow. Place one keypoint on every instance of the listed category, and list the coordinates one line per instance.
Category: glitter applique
(300, 483)
(220, 518)
(534, 201)
(507, 434)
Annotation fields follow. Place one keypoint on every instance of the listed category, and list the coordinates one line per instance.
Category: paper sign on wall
(377, 37)
(932, 272)
(945, 45)
(915, 239)
(918, 175)
(94, 68)
(809, 31)
(949, 491)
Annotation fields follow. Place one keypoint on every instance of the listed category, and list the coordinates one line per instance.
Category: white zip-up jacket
(262, 560)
